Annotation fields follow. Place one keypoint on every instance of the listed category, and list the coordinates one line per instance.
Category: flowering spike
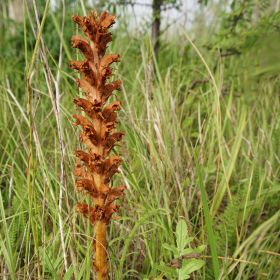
(95, 168)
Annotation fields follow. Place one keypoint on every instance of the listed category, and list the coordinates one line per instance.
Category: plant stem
(100, 244)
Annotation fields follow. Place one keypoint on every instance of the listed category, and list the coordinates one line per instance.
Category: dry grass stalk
(95, 167)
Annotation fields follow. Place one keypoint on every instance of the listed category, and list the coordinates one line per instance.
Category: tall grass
(228, 127)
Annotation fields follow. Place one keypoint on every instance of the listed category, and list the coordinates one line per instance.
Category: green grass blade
(209, 223)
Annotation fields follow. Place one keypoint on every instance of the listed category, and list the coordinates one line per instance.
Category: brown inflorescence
(95, 167)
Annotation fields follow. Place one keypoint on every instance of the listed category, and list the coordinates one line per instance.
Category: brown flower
(95, 168)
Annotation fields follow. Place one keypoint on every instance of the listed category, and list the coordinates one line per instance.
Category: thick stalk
(101, 263)
(100, 243)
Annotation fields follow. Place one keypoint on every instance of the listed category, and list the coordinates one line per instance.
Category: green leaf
(182, 276)
(69, 273)
(188, 240)
(168, 271)
(171, 248)
(188, 251)
(200, 248)
(190, 266)
(196, 250)
(181, 234)
(208, 222)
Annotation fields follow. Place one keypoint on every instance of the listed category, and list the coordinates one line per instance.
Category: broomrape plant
(95, 167)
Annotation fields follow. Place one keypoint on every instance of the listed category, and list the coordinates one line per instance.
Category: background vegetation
(202, 145)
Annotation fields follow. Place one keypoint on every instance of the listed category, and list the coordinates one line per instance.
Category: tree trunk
(15, 10)
(156, 25)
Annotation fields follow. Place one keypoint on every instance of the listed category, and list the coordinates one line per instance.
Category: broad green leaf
(181, 234)
(190, 266)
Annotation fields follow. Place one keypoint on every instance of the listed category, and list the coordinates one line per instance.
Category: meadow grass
(207, 152)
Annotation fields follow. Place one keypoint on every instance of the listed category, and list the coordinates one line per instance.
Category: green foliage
(182, 253)
(241, 29)
(228, 224)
